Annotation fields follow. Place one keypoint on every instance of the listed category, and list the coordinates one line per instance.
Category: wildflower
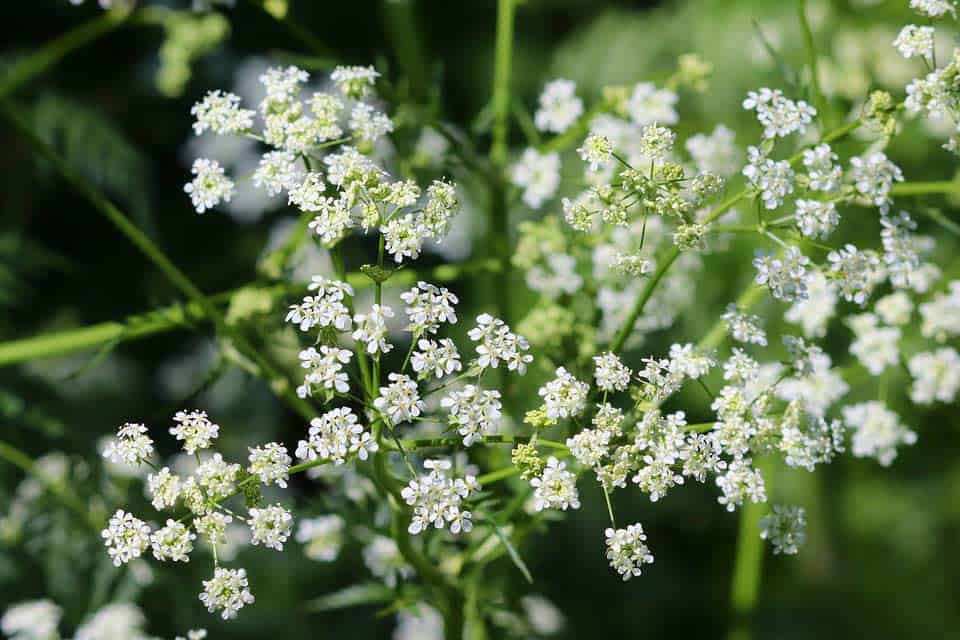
(854, 272)
(270, 463)
(878, 431)
(578, 213)
(31, 620)
(556, 488)
(442, 204)
(597, 150)
(220, 112)
(915, 41)
(823, 174)
(627, 550)
(933, 8)
(217, 476)
(873, 176)
(228, 592)
(783, 274)
(277, 171)
(564, 396)
(739, 483)
(894, 309)
(368, 124)
(332, 221)
(688, 361)
(354, 81)
(384, 560)
(816, 219)
(437, 499)
(589, 446)
(404, 237)
(474, 412)
(213, 526)
(325, 309)
(125, 537)
(941, 315)
(333, 436)
(779, 115)
(936, 376)
(656, 142)
(195, 429)
(399, 401)
(559, 106)
(173, 541)
(611, 374)
(428, 307)
(436, 358)
(815, 311)
(270, 526)
(210, 186)
(372, 329)
(326, 109)
(132, 445)
(498, 343)
(115, 620)
(773, 180)
(322, 537)
(164, 487)
(785, 528)
(633, 265)
(876, 347)
(899, 248)
(648, 104)
(538, 175)
(282, 86)
(325, 369)
(714, 152)
(744, 327)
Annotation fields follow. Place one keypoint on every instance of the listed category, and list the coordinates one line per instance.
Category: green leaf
(511, 550)
(356, 595)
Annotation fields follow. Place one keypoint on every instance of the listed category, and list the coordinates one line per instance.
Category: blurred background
(881, 558)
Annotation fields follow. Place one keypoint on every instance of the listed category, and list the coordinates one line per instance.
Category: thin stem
(747, 569)
(923, 188)
(606, 497)
(400, 22)
(810, 44)
(503, 58)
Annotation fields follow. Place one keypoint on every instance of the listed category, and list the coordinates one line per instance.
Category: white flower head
(785, 528)
(270, 463)
(126, 537)
(132, 446)
(210, 187)
(195, 429)
(627, 550)
(559, 106)
(227, 592)
(270, 526)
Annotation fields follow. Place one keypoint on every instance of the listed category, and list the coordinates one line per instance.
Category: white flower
(213, 526)
(687, 360)
(557, 276)
(783, 274)
(611, 374)
(876, 347)
(354, 81)
(538, 174)
(428, 307)
(332, 221)
(498, 343)
(474, 412)
(779, 115)
(744, 327)
(544, 617)
(564, 396)
(270, 463)
(31, 620)
(936, 376)
(132, 445)
(270, 526)
(589, 446)
(404, 237)
(195, 429)
(125, 537)
(894, 309)
(815, 311)
(873, 176)
(164, 487)
(559, 106)
(325, 309)
(325, 369)
(627, 550)
(114, 621)
(816, 219)
(715, 153)
(400, 400)
(308, 195)
(438, 359)
(282, 86)
(941, 316)
(442, 205)
(647, 105)
(900, 248)
(785, 528)
(277, 171)
(172, 542)
(217, 476)
(597, 150)
(322, 537)
(772, 179)
(419, 622)
(372, 329)
(822, 171)
(221, 113)
(228, 592)
(368, 124)
(854, 272)
(915, 41)
(739, 483)
(556, 488)
(933, 8)
(437, 499)
(210, 186)
(878, 431)
(333, 436)
(326, 109)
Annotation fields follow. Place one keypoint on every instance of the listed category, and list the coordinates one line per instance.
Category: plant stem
(503, 57)
(276, 381)
(400, 21)
(299, 32)
(748, 567)
(818, 98)
(922, 188)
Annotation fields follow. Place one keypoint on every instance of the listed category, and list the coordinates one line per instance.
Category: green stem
(923, 188)
(811, 47)
(302, 34)
(503, 57)
(51, 53)
(748, 567)
(276, 381)
(400, 21)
